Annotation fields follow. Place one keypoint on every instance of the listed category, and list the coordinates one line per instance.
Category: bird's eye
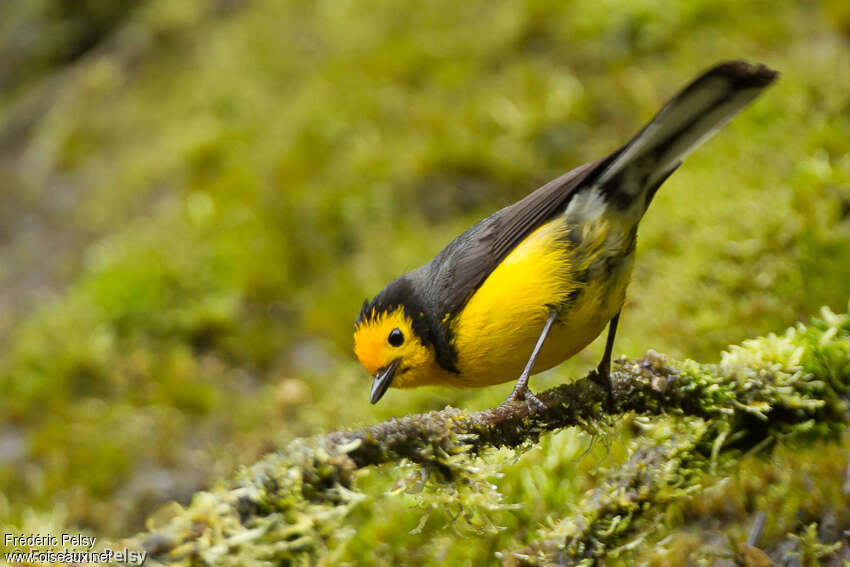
(396, 337)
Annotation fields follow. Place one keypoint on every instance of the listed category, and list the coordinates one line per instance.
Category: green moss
(194, 210)
(298, 505)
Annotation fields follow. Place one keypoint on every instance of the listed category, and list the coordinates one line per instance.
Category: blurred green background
(197, 196)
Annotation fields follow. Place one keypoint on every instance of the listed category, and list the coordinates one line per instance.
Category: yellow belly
(496, 331)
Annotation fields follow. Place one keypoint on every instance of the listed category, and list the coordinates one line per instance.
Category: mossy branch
(290, 505)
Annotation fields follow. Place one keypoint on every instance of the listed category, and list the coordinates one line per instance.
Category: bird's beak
(383, 379)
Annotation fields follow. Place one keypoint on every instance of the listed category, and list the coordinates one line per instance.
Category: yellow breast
(500, 324)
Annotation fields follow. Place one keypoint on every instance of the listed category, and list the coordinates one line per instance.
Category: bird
(534, 283)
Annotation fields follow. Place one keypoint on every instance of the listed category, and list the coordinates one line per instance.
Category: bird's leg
(521, 391)
(603, 371)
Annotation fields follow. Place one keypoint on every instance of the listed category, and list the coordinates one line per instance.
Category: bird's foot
(534, 403)
(602, 376)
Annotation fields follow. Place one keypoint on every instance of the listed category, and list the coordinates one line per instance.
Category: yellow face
(387, 338)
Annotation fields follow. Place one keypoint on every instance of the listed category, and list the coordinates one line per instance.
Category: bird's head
(392, 340)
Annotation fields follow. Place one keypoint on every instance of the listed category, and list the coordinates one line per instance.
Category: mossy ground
(198, 197)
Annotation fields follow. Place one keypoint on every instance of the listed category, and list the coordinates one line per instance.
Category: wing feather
(683, 124)
(467, 261)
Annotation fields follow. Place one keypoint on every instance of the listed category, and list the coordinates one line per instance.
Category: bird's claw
(604, 380)
(534, 403)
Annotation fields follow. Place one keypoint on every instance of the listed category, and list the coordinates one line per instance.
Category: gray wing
(462, 266)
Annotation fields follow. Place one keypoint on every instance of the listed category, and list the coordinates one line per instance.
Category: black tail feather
(683, 125)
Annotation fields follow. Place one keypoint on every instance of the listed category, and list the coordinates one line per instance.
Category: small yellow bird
(534, 283)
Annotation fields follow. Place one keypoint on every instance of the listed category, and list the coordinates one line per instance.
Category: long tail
(683, 125)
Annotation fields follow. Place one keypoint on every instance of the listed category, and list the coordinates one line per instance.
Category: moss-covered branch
(291, 504)
(794, 386)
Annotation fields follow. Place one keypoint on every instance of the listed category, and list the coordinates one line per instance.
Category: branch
(610, 519)
(290, 504)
